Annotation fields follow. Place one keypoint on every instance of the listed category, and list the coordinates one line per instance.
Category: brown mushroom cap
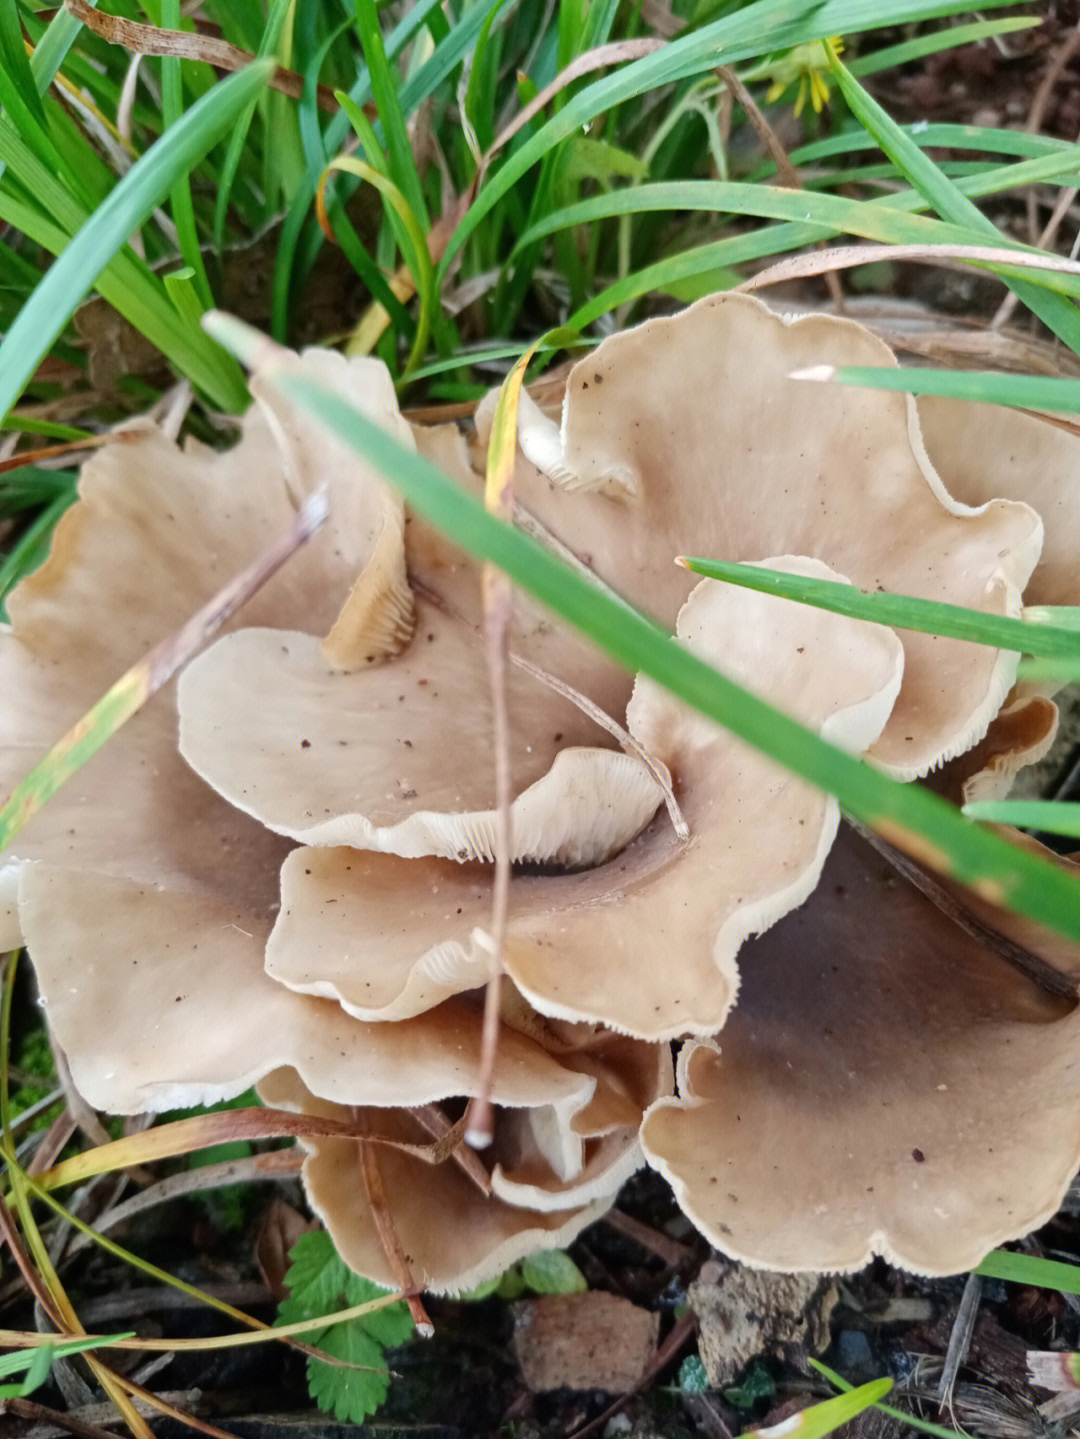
(176, 1009)
(987, 452)
(455, 1237)
(135, 825)
(886, 1085)
(743, 461)
(555, 1166)
(400, 758)
(387, 936)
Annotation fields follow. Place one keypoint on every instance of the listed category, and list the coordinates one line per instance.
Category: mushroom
(553, 1168)
(388, 937)
(338, 736)
(886, 1085)
(983, 450)
(146, 900)
(744, 462)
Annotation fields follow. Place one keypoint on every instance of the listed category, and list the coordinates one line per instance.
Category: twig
(27, 1409)
(451, 1139)
(375, 1193)
(959, 1341)
(632, 746)
(143, 39)
(785, 170)
(1033, 966)
(674, 1254)
(498, 596)
(844, 257)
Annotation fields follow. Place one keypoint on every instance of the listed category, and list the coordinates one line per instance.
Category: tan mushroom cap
(1020, 734)
(156, 532)
(159, 998)
(136, 809)
(386, 936)
(692, 438)
(545, 1164)
(455, 1237)
(986, 452)
(886, 1085)
(369, 518)
(400, 758)
(555, 1167)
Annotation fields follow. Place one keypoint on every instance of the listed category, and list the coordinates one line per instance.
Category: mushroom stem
(375, 1194)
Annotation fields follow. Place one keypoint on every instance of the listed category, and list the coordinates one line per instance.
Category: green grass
(623, 191)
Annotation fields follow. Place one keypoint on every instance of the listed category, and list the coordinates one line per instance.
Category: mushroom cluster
(279, 873)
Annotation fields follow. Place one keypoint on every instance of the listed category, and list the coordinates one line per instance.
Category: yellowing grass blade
(133, 689)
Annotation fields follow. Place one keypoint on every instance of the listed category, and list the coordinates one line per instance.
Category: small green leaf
(758, 1384)
(511, 1285)
(319, 1281)
(349, 1394)
(390, 1326)
(692, 1376)
(480, 1291)
(552, 1271)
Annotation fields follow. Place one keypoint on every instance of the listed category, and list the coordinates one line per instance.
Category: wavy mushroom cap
(983, 451)
(552, 1169)
(687, 435)
(389, 937)
(144, 898)
(886, 1085)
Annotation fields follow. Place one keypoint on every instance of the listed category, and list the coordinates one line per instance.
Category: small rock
(584, 1341)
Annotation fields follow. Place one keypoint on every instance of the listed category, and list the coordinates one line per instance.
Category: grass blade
(1029, 1269)
(939, 1431)
(1050, 815)
(1031, 392)
(43, 317)
(823, 1418)
(949, 202)
(904, 612)
(933, 44)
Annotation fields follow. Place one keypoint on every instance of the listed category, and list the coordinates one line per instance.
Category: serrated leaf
(552, 1271)
(349, 1394)
(319, 1283)
(390, 1326)
(317, 1279)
